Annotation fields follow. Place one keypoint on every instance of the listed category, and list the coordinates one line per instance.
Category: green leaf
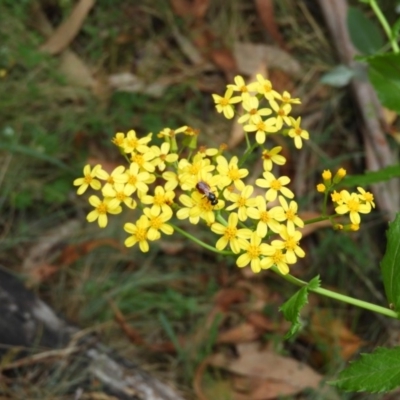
(339, 76)
(370, 177)
(390, 264)
(384, 74)
(292, 307)
(396, 29)
(364, 34)
(374, 373)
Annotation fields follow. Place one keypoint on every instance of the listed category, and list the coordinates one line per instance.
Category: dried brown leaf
(334, 335)
(225, 297)
(249, 56)
(195, 8)
(244, 332)
(76, 72)
(265, 364)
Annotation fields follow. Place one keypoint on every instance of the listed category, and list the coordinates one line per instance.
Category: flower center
(253, 251)
(158, 199)
(234, 174)
(156, 222)
(230, 232)
(276, 185)
(278, 256)
(264, 216)
(290, 244)
(141, 234)
(290, 215)
(102, 208)
(353, 205)
(132, 180)
(138, 159)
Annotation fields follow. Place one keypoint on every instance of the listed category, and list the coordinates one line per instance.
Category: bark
(30, 324)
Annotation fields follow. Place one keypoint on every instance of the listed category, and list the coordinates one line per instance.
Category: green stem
(385, 25)
(248, 151)
(201, 243)
(318, 219)
(337, 296)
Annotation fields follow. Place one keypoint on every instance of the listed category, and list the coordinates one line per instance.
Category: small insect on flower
(204, 188)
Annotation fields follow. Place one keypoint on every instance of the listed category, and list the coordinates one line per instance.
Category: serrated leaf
(370, 177)
(292, 307)
(384, 74)
(390, 264)
(339, 76)
(364, 34)
(374, 373)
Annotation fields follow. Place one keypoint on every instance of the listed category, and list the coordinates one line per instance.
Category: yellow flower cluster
(168, 176)
(353, 203)
(265, 120)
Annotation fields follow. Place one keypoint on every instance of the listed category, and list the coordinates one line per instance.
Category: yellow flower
(133, 143)
(241, 201)
(120, 192)
(253, 115)
(291, 243)
(157, 223)
(139, 233)
(117, 176)
(290, 214)
(287, 98)
(266, 218)
(339, 175)
(297, 133)
(321, 188)
(224, 104)
(351, 204)
(162, 156)
(119, 139)
(208, 152)
(261, 128)
(271, 157)
(327, 175)
(101, 208)
(282, 113)
(240, 86)
(172, 180)
(191, 209)
(188, 173)
(265, 87)
(253, 251)
(230, 172)
(366, 196)
(171, 133)
(161, 201)
(336, 197)
(197, 206)
(274, 186)
(137, 179)
(277, 257)
(231, 234)
(143, 160)
(88, 179)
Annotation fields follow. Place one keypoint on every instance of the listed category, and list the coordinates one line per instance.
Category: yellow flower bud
(339, 175)
(321, 188)
(326, 175)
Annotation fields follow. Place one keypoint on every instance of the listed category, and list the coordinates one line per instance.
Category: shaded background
(75, 72)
